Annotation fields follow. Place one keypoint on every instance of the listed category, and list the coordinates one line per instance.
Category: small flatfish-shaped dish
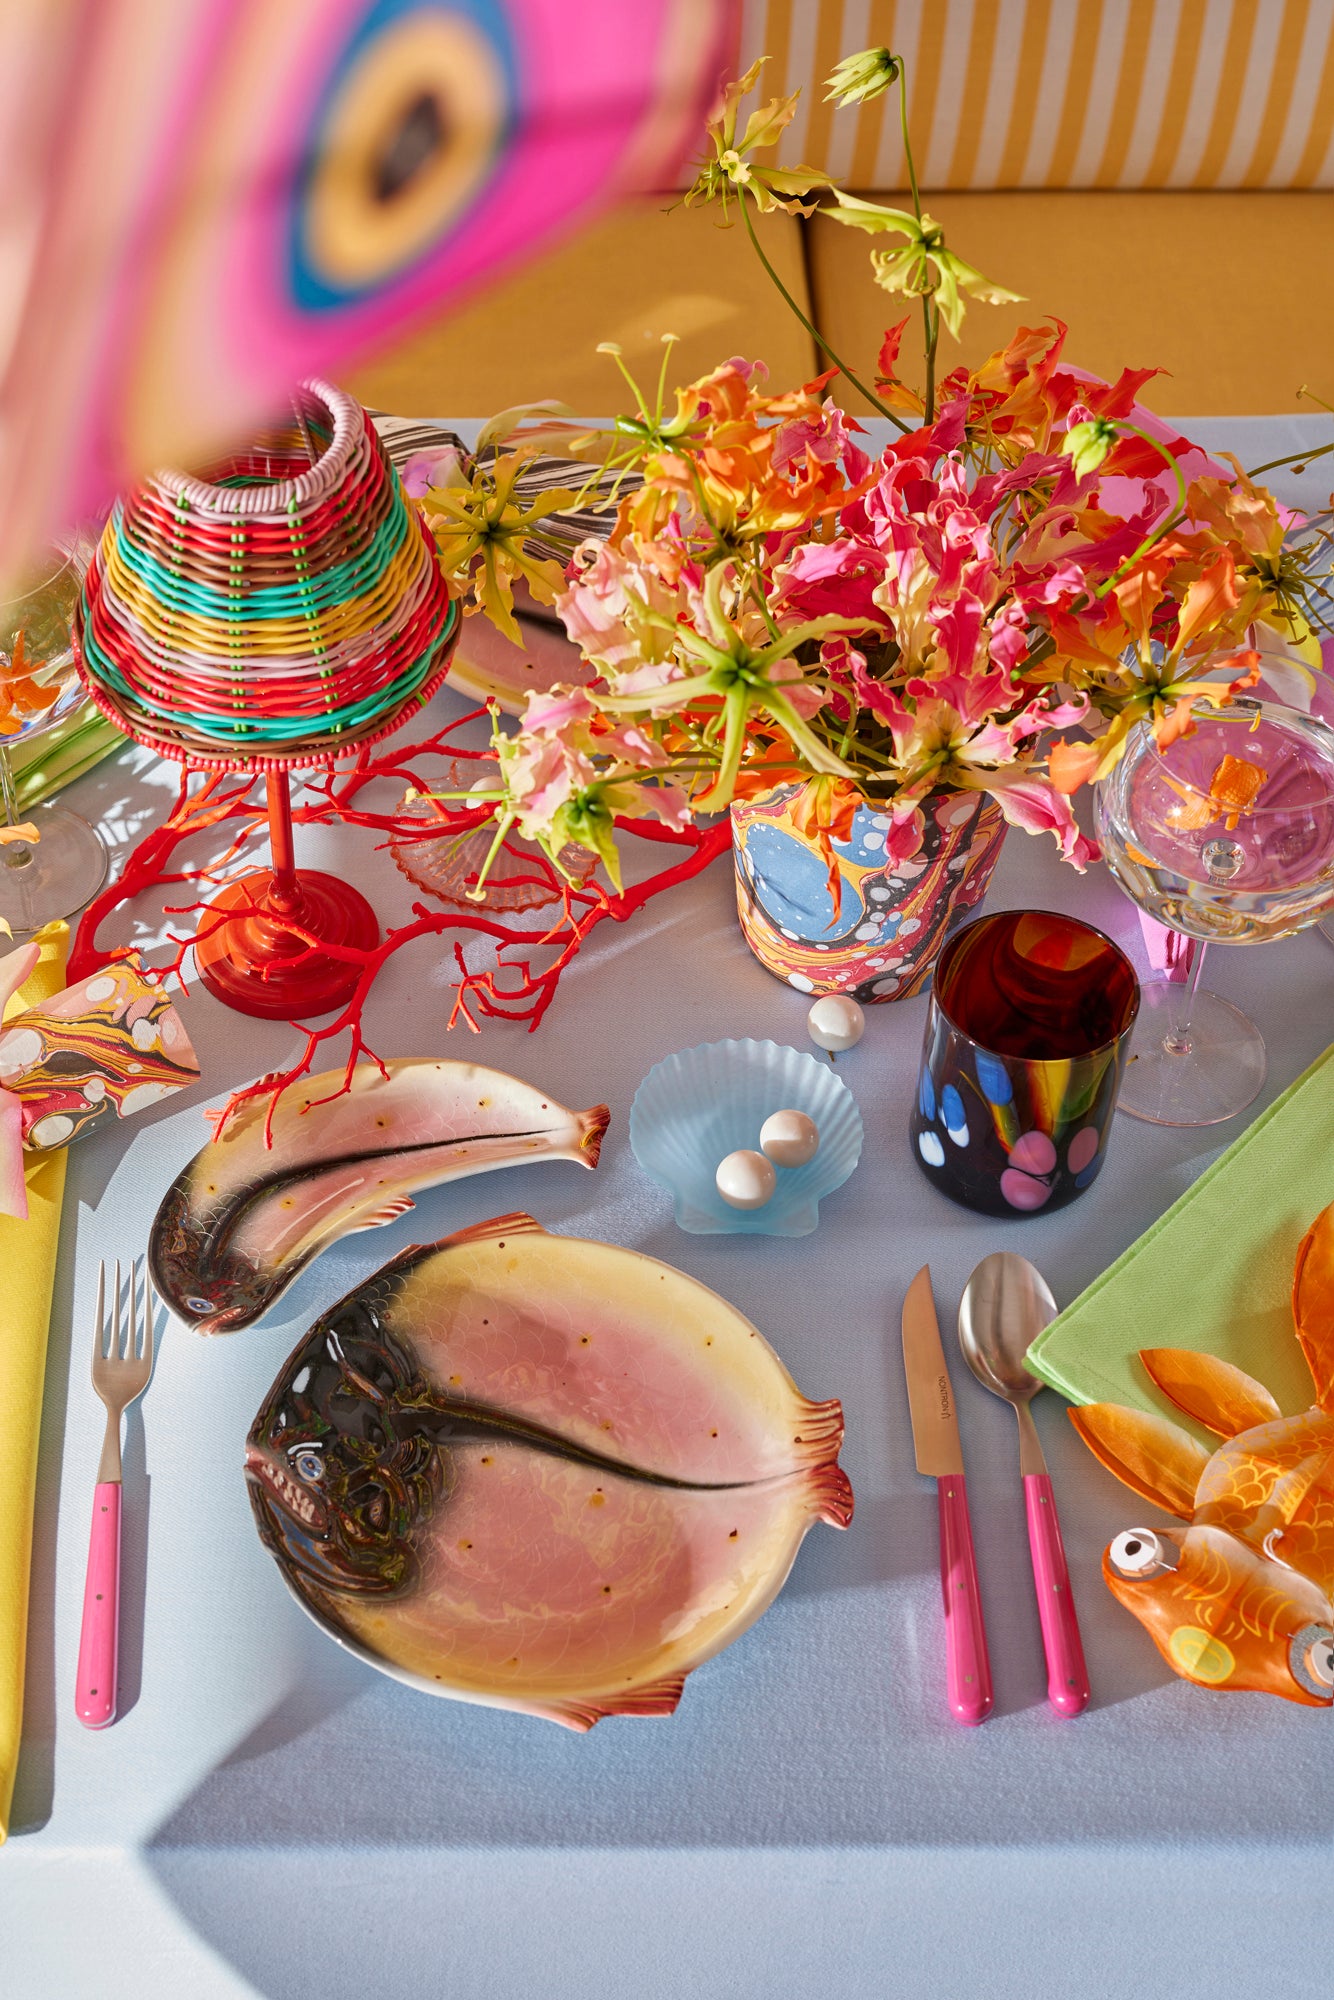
(539, 1473)
(270, 1192)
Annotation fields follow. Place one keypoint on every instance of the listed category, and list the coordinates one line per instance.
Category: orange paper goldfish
(1241, 1598)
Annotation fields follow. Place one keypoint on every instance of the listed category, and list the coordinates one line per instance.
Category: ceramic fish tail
(1241, 1597)
(245, 1216)
(539, 1473)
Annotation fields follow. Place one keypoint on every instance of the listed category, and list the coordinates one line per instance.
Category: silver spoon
(1006, 1304)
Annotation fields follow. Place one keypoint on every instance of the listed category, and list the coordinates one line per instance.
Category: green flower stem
(1301, 458)
(930, 320)
(1170, 521)
(504, 821)
(815, 335)
(802, 738)
(907, 141)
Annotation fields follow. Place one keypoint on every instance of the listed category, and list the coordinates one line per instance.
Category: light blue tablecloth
(268, 1817)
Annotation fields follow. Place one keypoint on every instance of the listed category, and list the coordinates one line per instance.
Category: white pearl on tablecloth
(835, 1022)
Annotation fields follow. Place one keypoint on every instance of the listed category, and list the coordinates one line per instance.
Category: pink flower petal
(13, 1186)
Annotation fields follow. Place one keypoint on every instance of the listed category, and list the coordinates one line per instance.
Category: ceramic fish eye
(199, 1305)
(1139, 1552)
(308, 1464)
(1311, 1658)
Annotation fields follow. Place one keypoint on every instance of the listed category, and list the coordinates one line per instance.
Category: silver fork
(118, 1378)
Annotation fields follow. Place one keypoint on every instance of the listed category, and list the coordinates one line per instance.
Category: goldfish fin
(382, 1216)
(1154, 1458)
(1313, 1304)
(592, 1129)
(1215, 1393)
(494, 1231)
(653, 1698)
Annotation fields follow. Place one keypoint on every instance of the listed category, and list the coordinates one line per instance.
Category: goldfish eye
(1311, 1658)
(1139, 1552)
(308, 1464)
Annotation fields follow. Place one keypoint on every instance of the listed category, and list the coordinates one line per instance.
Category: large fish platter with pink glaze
(273, 1190)
(539, 1473)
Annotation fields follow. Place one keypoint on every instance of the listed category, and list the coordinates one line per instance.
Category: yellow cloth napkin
(27, 1265)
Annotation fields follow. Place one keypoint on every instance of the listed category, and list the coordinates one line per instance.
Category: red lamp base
(257, 964)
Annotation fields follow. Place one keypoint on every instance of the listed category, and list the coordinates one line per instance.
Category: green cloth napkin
(1215, 1272)
(56, 757)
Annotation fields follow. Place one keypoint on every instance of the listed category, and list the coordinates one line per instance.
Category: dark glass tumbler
(1026, 1040)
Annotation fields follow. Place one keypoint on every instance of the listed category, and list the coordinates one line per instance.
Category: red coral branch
(518, 984)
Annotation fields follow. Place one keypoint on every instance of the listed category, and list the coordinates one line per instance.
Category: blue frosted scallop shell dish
(696, 1107)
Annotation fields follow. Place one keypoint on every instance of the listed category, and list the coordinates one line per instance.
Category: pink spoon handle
(95, 1693)
(1067, 1676)
(967, 1668)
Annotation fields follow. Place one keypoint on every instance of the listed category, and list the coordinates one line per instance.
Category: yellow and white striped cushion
(1064, 93)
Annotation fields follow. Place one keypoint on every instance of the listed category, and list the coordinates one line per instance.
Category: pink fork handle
(95, 1694)
(1067, 1676)
(967, 1668)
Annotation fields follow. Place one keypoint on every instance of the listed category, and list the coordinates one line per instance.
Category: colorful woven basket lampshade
(282, 610)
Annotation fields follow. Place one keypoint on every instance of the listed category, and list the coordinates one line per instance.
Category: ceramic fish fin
(1215, 1393)
(830, 1492)
(499, 1227)
(592, 1130)
(819, 1431)
(389, 1213)
(653, 1698)
(1154, 1458)
(1313, 1304)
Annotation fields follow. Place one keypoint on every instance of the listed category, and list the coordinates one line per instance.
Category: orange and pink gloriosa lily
(774, 602)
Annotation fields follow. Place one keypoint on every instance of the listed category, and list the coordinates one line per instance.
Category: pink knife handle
(95, 1694)
(1067, 1676)
(967, 1668)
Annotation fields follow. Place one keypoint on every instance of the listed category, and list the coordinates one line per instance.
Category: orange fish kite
(1241, 1597)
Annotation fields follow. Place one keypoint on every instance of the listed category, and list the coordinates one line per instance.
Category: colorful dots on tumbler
(930, 1148)
(952, 1113)
(1023, 1191)
(1033, 1153)
(1082, 1150)
(994, 1077)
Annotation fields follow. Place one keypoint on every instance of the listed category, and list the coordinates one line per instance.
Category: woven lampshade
(279, 610)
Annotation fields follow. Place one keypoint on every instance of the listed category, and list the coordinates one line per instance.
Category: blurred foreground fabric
(1158, 173)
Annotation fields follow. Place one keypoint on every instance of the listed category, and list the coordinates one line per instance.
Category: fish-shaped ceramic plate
(539, 1473)
(251, 1211)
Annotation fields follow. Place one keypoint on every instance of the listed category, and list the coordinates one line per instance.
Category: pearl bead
(789, 1138)
(835, 1022)
(745, 1179)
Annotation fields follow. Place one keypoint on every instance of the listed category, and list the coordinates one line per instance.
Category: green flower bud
(858, 79)
(1088, 444)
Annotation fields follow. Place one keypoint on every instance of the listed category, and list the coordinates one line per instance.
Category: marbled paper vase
(882, 941)
(1026, 1039)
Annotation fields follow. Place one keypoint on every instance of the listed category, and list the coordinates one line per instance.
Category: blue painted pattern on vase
(883, 939)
